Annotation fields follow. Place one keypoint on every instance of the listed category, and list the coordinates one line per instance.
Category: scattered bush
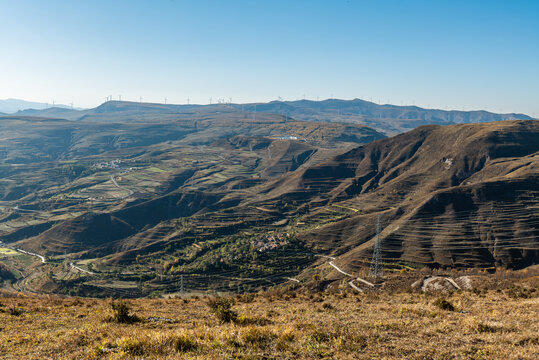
(518, 292)
(222, 308)
(528, 341)
(131, 346)
(184, 343)
(246, 297)
(285, 339)
(487, 328)
(120, 313)
(15, 311)
(258, 337)
(444, 304)
(328, 306)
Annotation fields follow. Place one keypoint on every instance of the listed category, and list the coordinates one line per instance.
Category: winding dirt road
(73, 266)
(131, 192)
(351, 282)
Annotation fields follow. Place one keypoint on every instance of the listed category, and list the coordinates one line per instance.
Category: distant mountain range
(10, 106)
(389, 119)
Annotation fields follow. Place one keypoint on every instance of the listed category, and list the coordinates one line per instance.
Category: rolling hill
(234, 199)
(459, 195)
(388, 119)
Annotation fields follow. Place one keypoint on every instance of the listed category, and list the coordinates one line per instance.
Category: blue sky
(443, 54)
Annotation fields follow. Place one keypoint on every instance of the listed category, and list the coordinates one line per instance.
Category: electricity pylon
(375, 270)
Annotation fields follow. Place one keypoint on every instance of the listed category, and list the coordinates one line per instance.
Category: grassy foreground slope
(281, 325)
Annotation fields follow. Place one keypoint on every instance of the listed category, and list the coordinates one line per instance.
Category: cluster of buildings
(113, 164)
(270, 241)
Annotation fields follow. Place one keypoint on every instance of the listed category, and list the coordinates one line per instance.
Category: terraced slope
(460, 195)
(231, 211)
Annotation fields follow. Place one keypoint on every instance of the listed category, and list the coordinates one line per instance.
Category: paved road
(73, 266)
(351, 282)
(17, 208)
(33, 254)
(353, 286)
(131, 192)
(339, 270)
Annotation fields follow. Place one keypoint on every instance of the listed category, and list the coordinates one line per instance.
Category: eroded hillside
(238, 204)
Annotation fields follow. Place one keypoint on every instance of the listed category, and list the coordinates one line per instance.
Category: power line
(375, 270)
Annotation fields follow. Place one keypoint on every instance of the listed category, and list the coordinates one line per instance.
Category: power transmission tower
(375, 270)
(181, 285)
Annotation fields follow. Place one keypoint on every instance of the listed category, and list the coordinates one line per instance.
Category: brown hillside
(457, 195)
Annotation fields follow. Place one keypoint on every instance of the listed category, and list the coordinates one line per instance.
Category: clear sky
(444, 54)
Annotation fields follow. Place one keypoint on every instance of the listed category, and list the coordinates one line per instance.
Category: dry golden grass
(484, 325)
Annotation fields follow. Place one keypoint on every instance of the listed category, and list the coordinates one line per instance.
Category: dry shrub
(519, 292)
(184, 343)
(258, 337)
(120, 313)
(222, 308)
(150, 343)
(14, 311)
(246, 297)
(530, 340)
(444, 304)
(285, 339)
(246, 320)
(132, 346)
(328, 306)
(487, 328)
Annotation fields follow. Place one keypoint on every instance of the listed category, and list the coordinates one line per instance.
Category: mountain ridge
(389, 119)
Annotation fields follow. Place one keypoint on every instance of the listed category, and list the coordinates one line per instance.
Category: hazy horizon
(43, 106)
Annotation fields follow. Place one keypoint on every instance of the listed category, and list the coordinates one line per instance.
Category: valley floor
(484, 324)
